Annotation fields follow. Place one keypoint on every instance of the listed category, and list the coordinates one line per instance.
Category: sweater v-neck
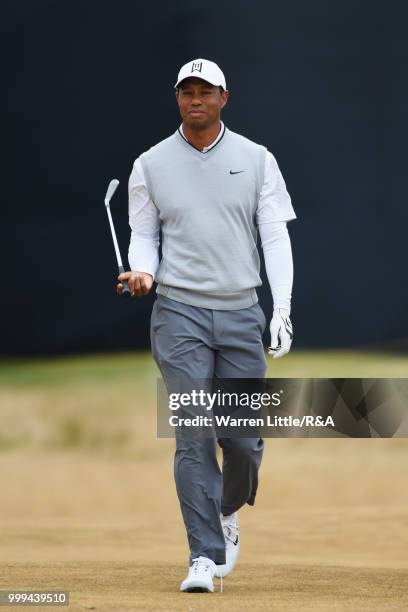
(207, 154)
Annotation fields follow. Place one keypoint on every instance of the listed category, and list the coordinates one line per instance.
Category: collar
(210, 146)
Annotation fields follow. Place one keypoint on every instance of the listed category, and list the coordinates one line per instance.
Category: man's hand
(139, 283)
(281, 333)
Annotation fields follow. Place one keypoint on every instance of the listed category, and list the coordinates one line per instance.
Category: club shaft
(115, 242)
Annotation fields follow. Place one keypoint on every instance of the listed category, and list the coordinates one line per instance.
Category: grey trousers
(190, 343)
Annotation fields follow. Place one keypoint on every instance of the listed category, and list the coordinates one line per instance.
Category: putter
(111, 190)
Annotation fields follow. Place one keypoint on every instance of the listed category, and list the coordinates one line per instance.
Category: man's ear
(224, 97)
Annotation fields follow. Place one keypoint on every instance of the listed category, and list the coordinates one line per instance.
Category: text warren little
(269, 421)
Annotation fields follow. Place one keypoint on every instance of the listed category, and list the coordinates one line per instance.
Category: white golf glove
(281, 333)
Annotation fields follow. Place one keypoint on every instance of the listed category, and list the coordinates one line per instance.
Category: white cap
(202, 69)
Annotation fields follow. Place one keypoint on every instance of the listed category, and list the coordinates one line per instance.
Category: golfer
(210, 191)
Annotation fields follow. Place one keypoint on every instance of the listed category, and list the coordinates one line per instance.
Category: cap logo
(196, 66)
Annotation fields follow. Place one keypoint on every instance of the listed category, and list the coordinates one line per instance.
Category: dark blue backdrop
(90, 87)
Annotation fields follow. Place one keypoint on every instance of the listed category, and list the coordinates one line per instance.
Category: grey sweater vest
(207, 205)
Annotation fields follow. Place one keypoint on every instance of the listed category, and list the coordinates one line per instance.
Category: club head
(111, 190)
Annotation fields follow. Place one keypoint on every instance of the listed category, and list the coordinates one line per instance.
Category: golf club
(111, 190)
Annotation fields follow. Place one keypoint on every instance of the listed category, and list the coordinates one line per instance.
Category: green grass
(106, 403)
(339, 364)
(89, 369)
(135, 369)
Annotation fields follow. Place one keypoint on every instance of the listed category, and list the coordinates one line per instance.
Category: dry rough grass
(88, 505)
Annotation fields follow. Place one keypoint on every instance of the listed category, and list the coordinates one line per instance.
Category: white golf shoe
(200, 576)
(231, 535)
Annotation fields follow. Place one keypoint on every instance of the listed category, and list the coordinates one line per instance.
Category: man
(209, 191)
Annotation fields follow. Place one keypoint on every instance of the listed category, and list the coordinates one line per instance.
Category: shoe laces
(230, 527)
(201, 562)
(204, 563)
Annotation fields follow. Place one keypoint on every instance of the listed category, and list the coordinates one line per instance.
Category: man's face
(200, 103)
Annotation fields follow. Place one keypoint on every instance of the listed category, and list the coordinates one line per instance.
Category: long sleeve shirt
(274, 209)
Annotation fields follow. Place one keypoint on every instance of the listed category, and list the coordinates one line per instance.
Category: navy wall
(89, 86)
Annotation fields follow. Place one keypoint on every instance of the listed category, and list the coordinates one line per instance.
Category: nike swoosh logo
(236, 540)
(237, 172)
